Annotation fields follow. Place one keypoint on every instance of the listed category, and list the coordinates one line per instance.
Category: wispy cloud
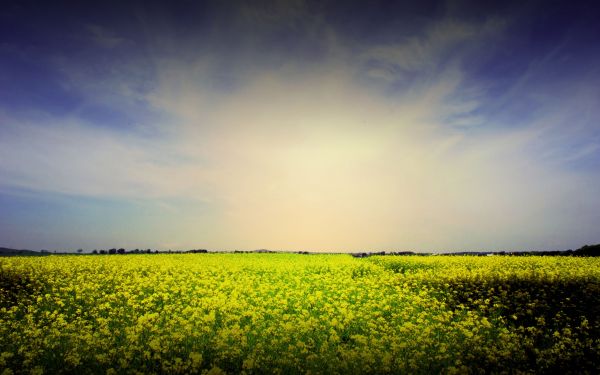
(357, 145)
(104, 37)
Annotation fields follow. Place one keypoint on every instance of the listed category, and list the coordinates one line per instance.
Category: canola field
(298, 314)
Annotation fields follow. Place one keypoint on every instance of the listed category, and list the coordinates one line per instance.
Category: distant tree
(121, 251)
(102, 251)
(95, 251)
(112, 251)
(79, 251)
(588, 250)
(148, 251)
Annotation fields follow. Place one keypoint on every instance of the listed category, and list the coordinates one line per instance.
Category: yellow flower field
(289, 313)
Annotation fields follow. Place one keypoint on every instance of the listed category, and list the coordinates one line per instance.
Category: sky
(427, 126)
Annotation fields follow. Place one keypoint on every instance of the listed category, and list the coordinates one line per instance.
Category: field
(288, 313)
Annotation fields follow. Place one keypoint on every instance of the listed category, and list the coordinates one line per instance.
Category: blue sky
(300, 125)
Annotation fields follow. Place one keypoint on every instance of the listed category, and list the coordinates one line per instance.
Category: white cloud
(305, 157)
(75, 158)
(442, 42)
(316, 161)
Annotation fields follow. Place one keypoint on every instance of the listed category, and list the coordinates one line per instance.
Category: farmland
(290, 313)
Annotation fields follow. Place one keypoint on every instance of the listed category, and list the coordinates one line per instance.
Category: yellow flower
(216, 371)
(196, 359)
